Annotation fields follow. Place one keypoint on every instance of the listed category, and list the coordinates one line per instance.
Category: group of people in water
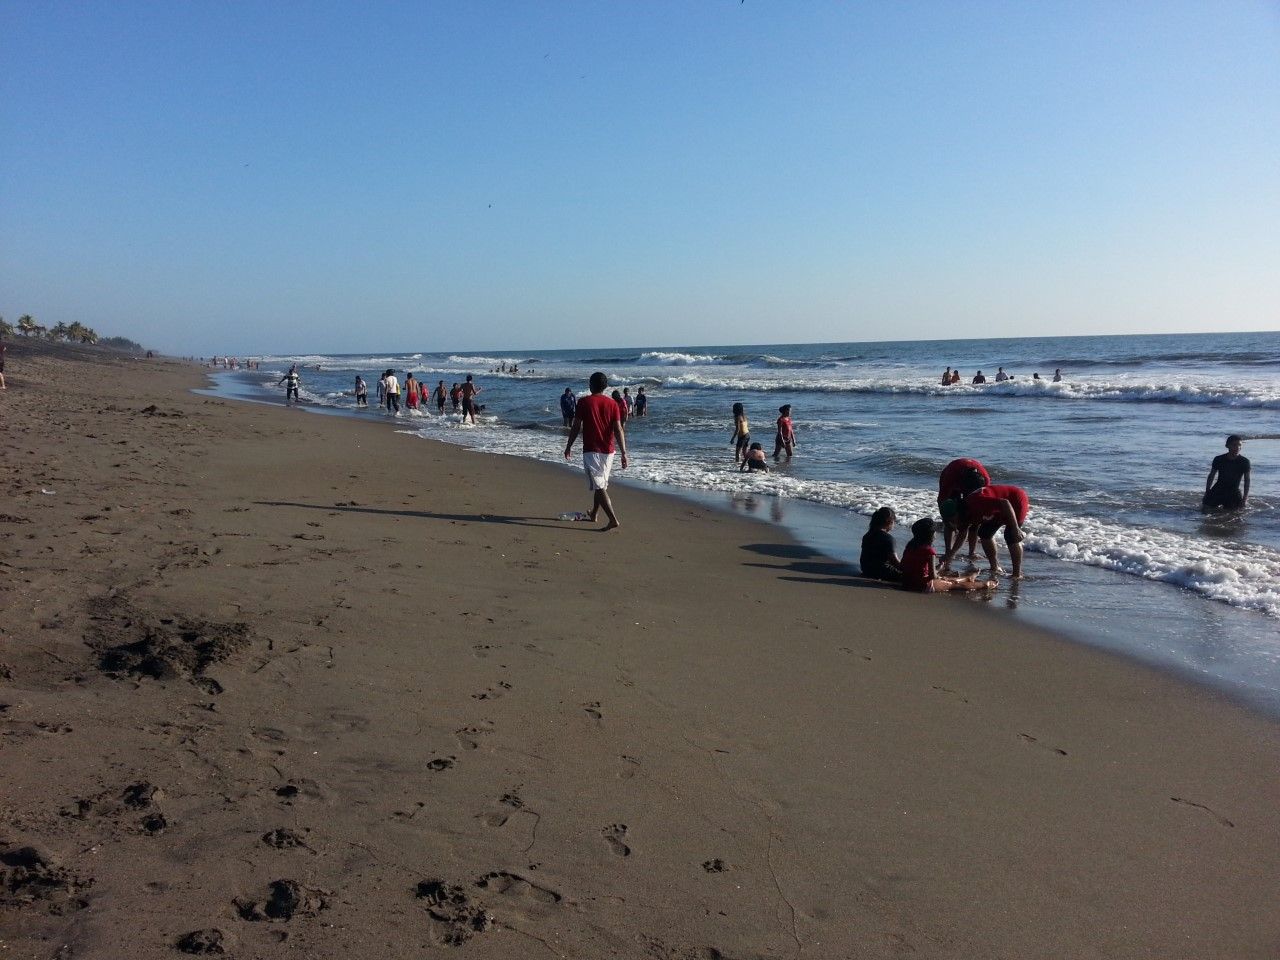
(628, 406)
(418, 396)
(952, 377)
(748, 454)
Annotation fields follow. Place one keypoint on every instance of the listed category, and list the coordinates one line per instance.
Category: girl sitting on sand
(879, 559)
(741, 438)
(919, 564)
(753, 460)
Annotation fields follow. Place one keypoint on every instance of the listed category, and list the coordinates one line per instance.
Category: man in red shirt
(951, 487)
(992, 506)
(598, 420)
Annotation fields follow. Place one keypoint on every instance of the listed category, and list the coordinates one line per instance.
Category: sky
(256, 177)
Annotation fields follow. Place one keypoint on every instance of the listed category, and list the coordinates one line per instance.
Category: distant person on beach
(598, 420)
(786, 436)
(1057, 375)
(291, 381)
(469, 391)
(568, 402)
(1222, 489)
(393, 392)
(441, 396)
(992, 507)
(423, 395)
(879, 558)
(741, 438)
(362, 392)
(951, 488)
(455, 397)
(1001, 376)
(626, 398)
(754, 460)
(955, 377)
(979, 378)
(642, 403)
(1035, 376)
(410, 392)
(946, 377)
(622, 405)
(919, 564)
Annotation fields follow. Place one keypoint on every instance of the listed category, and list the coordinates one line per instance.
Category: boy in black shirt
(1230, 469)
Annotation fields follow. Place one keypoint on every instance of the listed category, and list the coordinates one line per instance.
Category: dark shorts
(1228, 499)
(468, 407)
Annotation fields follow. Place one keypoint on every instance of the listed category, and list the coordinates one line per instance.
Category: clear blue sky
(262, 177)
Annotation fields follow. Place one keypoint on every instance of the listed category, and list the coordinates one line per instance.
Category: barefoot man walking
(597, 418)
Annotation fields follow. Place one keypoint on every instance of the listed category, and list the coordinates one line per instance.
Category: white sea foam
(1242, 575)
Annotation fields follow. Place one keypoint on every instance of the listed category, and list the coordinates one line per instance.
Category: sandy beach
(275, 684)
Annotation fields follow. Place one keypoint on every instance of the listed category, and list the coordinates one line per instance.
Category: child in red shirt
(919, 564)
(786, 438)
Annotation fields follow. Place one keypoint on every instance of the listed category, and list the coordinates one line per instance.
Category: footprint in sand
(592, 710)
(441, 763)
(469, 737)
(715, 865)
(613, 835)
(1028, 738)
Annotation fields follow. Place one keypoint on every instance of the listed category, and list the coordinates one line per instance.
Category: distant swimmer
(919, 564)
(946, 377)
(410, 391)
(955, 377)
(599, 421)
(630, 403)
(785, 439)
(991, 507)
(642, 403)
(1057, 375)
(1222, 489)
(1001, 376)
(622, 405)
(754, 460)
(741, 438)
(291, 381)
(979, 378)
(1036, 378)
(567, 404)
(879, 557)
(440, 394)
(951, 488)
(362, 392)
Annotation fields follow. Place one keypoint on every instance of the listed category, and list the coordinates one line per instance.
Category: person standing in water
(642, 403)
(992, 507)
(441, 395)
(362, 392)
(1222, 488)
(951, 486)
(741, 438)
(568, 402)
(393, 392)
(786, 436)
(598, 420)
(469, 391)
(291, 381)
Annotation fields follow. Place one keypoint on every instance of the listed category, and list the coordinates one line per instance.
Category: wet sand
(276, 684)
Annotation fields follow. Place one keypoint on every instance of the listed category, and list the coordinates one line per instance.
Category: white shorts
(598, 467)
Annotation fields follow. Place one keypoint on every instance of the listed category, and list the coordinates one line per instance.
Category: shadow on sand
(550, 523)
(799, 559)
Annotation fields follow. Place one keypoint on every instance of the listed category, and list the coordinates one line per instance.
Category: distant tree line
(67, 332)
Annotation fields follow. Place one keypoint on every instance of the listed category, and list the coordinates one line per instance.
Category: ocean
(1114, 459)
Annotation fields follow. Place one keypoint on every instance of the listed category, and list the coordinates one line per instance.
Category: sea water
(1114, 458)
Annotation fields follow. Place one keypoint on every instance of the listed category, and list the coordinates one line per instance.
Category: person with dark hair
(1222, 488)
(598, 420)
(441, 395)
(979, 378)
(919, 564)
(469, 391)
(950, 488)
(291, 381)
(393, 391)
(753, 461)
(786, 436)
(455, 397)
(622, 405)
(567, 404)
(410, 391)
(642, 403)
(741, 438)
(992, 507)
(362, 392)
(879, 559)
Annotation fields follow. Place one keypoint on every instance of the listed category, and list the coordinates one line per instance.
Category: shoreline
(380, 676)
(1166, 637)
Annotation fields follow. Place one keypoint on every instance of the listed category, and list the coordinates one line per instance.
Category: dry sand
(284, 685)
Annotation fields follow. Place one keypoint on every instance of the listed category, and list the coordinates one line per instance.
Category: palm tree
(26, 324)
(60, 331)
(6, 328)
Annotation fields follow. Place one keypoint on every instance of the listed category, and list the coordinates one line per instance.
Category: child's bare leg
(989, 548)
